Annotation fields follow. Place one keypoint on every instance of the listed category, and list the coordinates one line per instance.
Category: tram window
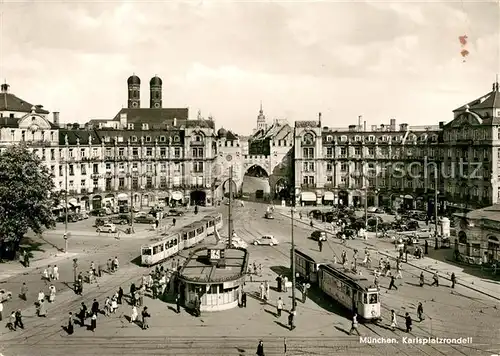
(184, 236)
(156, 249)
(191, 234)
(146, 251)
(373, 298)
(175, 242)
(365, 299)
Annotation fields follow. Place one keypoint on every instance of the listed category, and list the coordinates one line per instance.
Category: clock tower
(155, 88)
(134, 92)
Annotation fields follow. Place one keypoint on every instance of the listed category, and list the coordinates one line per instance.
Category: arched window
(308, 139)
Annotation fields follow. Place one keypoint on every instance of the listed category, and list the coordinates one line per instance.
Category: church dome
(155, 81)
(222, 132)
(134, 79)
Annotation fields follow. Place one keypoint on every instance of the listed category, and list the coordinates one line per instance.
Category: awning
(407, 196)
(176, 195)
(162, 195)
(73, 202)
(59, 207)
(329, 196)
(122, 196)
(308, 196)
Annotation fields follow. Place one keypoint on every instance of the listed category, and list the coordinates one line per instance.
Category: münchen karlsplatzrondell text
(414, 340)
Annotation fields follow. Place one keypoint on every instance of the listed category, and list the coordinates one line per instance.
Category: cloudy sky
(378, 59)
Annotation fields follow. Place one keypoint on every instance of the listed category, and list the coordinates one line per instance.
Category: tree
(25, 202)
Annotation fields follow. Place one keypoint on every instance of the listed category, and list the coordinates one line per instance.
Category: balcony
(38, 143)
(308, 186)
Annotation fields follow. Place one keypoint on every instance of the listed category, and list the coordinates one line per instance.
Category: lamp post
(436, 193)
(292, 257)
(66, 202)
(376, 222)
(366, 205)
(230, 218)
(75, 267)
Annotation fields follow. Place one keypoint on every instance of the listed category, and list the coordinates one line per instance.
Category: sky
(378, 59)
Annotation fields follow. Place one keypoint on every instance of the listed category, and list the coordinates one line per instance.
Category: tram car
(213, 222)
(172, 244)
(307, 264)
(352, 291)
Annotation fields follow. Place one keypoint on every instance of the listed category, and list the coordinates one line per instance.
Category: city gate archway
(198, 197)
(256, 184)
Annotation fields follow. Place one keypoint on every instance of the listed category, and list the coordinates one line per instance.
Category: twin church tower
(134, 92)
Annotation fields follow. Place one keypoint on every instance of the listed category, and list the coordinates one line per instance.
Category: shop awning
(328, 196)
(176, 195)
(122, 196)
(308, 196)
(408, 196)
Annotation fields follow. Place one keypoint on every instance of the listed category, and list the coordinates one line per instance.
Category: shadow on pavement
(282, 325)
(342, 330)
(137, 261)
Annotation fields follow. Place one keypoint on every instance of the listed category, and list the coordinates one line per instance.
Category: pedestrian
(399, 274)
(178, 303)
(394, 321)
(278, 281)
(134, 314)
(41, 296)
(392, 283)
(453, 280)
(26, 259)
(70, 328)
(107, 306)
(99, 270)
(114, 304)
(408, 322)
(12, 321)
(267, 291)
(435, 279)
(95, 307)
(115, 264)
(426, 247)
(93, 322)
(422, 279)
(24, 292)
(1, 310)
(45, 274)
(173, 221)
(420, 311)
(262, 290)
(354, 325)
(51, 273)
(279, 307)
(291, 319)
(42, 309)
(285, 284)
(145, 318)
(260, 349)
(52, 293)
(82, 314)
(244, 299)
(109, 266)
(304, 292)
(120, 295)
(55, 271)
(320, 244)
(19, 319)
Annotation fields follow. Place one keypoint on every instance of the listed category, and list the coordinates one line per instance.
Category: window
(371, 151)
(343, 151)
(121, 152)
(197, 152)
(108, 166)
(121, 167)
(163, 139)
(149, 167)
(329, 166)
(343, 167)
(134, 138)
(163, 151)
(198, 167)
(149, 151)
(329, 138)
(177, 138)
(95, 168)
(329, 152)
(357, 151)
(60, 171)
(52, 155)
(308, 166)
(149, 182)
(308, 139)
(71, 170)
(163, 182)
(177, 152)
(135, 182)
(329, 179)
(83, 183)
(108, 183)
(198, 138)
(95, 182)
(135, 166)
(308, 153)
(148, 138)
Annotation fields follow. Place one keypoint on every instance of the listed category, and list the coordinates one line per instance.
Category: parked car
(318, 235)
(144, 219)
(82, 215)
(269, 215)
(266, 240)
(175, 212)
(124, 209)
(375, 210)
(121, 219)
(98, 212)
(100, 222)
(71, 218)
(108, 227)
(316, 214)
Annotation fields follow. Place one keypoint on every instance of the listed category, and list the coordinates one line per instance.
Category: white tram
(307, 264)
(352, 291)
(170, 245)
(213, 222)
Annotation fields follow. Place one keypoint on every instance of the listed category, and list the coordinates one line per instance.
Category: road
(321, 324)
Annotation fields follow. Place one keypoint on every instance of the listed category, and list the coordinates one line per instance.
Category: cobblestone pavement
(322, 326)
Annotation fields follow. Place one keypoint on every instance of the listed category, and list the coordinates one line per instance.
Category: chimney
(175, 121)
(319, 118)
(364, 126)
(374, 127)
(393, 124)
(359, 122)
(5, 88)
(55, 116)
(403, 127)
(441, 124)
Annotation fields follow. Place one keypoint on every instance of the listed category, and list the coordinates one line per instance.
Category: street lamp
(292, 256)
(436, 193)
(376, 223)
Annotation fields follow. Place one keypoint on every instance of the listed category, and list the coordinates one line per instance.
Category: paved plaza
(322, 326)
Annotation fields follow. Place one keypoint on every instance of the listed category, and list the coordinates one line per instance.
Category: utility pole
(229, 219)
(66, 201)
(436, 192)
(366, 205)
(292, 255)
(131, 202)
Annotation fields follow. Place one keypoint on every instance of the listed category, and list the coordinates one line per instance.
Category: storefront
(213, 276)
(308, 198)
(96, 202)
(328, 198)
(176, 198)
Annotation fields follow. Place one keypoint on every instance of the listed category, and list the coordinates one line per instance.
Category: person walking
(55, 271)
(42, 309)
(408, 322)
(420, 311)
(262, 290)
(279, 280)
(95, 307)
(422, 279)
(394, 320)
(260, 349)
(291, 319)
(93, 322)
(70, 328)
(244, 299)
(393, 283)
(120, 295)
(134, 314)
(279, 307)
(453, 280)
(354, 325)
(435, 279)
(178, 303)
(82, 314)
(145, 318)
(24, 292)
(320, 244)
(1, 310)
(19, 319)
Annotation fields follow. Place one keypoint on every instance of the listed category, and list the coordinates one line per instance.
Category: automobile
(266, 240)
(71, 218)
(318, 235)
(82, 215)
(98, 212)
(108, 227)
(175, 212)
(100, 222)
(348, 233)
(375, 210)
(269, 215)
(124, 209)
(120, 219)
(236, 242)
(316, 214)
(144, 219)
(5, 295)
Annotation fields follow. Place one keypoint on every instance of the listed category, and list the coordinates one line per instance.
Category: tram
(307, 264)
(352, 291)
(172, 244)
(213, 222)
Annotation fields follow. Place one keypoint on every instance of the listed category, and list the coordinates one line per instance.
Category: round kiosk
(214, 276)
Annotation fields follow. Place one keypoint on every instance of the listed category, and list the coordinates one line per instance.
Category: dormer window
(413, 138)
(384, 138)
(329, 138)
(343, 138)
(198, 138)
(130, 126)
(145, 126)
(163, 138)
(371, 138)
(134, 138)
(423, 138)
(107, 139)
(177, 138)
(357, 138)
(148, 138)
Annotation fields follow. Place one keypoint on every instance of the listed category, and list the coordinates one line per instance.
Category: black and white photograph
(244, 177)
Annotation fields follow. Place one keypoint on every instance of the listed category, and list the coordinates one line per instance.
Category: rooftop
(198, 269)
(10, 102)
(490, 100)
(488, 213)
